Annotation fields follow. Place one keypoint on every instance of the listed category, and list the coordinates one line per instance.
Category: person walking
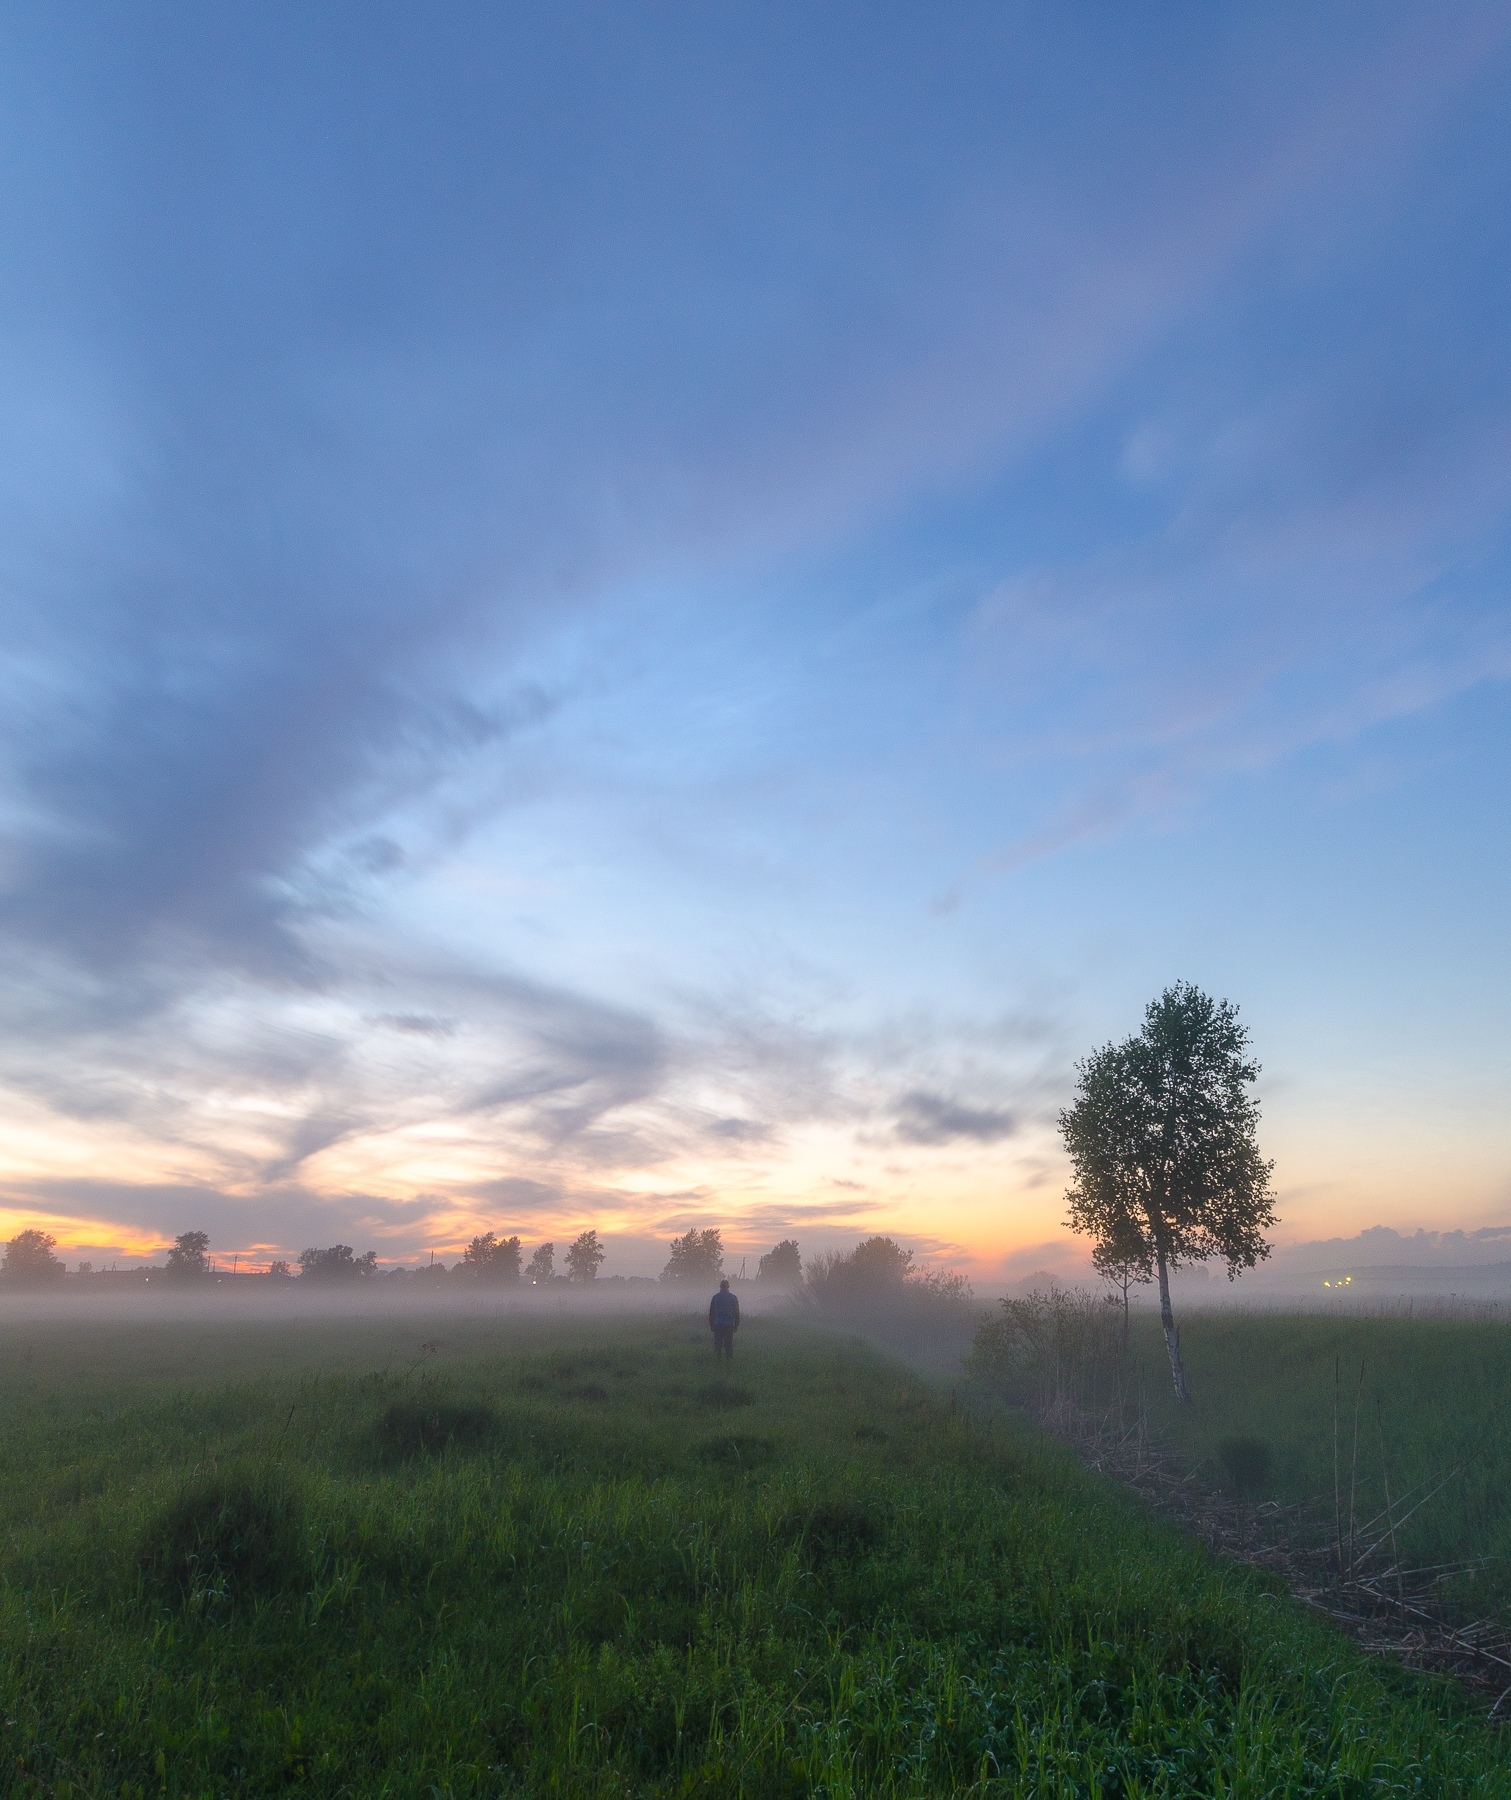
(724, 1321)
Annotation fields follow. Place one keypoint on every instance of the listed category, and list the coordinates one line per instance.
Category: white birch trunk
(1167, 1321)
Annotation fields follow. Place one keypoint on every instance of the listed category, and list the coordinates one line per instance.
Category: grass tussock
(1353, 1420)
(232, 1535)
(861, 1590)
(425, 1425)
(724, 1396)
(839, 1530)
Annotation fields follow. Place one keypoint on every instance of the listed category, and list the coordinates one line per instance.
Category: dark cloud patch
(928, 1118)
(584, 1058)
(419, 1024)
(785, 1217)
(366, 407)
(740, 1131)
(517, 1191)
(288, 1217)
(315, 1132)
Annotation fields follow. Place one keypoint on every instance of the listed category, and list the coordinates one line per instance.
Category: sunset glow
(663, 624)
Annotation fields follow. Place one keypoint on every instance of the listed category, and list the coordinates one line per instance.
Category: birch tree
(1164, 1152)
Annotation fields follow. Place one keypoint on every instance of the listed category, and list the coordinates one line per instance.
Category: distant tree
(190, 1256)
(867, 1273)
(584, 1257)
(782, 1265)
(697, 1256)
(29, 1258)
(86, 1268)
(338, 1263)
(879, 1261)
(918, 1310)
(1164, 1150)
(542, 1269)
(487, 1258)
(1122, 1267)
(280, 1270)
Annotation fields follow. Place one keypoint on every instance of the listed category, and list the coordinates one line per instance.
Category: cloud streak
(532, 553)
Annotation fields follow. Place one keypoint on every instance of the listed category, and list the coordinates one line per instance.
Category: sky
(645, 617)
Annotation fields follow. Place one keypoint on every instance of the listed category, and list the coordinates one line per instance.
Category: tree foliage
(1051, 1346)
(542, 1269)
(190, 1256)
(782, 1264)
(492, 1259)
(584, 1257)
(696, 1256)
(29, 1257)
(857, 1278)
(338, 1263)
(1164, 1152)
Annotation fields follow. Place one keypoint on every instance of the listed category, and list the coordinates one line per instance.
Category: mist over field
(753, 849)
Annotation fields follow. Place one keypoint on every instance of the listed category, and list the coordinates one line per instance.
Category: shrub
(927, 1314)
(1054, 1345)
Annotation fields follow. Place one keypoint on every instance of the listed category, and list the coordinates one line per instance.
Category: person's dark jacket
(724, 1309)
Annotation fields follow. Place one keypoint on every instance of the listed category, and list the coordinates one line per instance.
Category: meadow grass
(580, 1559)
(1433, 1405)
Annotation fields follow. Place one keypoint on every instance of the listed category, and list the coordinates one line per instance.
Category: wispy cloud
(924, 1118)
(493, 671)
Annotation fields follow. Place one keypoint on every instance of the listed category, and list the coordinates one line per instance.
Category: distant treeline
(876, 1280)
(492, 1259)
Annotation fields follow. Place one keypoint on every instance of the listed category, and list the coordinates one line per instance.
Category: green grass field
(572, 1558)
(1434, 1405)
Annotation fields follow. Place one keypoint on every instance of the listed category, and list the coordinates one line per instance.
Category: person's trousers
(724, 1341)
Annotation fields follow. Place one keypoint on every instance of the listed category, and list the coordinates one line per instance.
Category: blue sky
(657, 616)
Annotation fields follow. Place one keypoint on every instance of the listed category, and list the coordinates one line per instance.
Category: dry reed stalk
(1388, 1612)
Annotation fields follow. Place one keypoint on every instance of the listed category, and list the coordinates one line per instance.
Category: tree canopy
(190, 1256)
(696, 1256)
(1164, 1152)
(783, 1263)
(542, 1267)
(492, 1259)
(338, 1263)
(877, 1267)
(584, 1257)
(29, 1257)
